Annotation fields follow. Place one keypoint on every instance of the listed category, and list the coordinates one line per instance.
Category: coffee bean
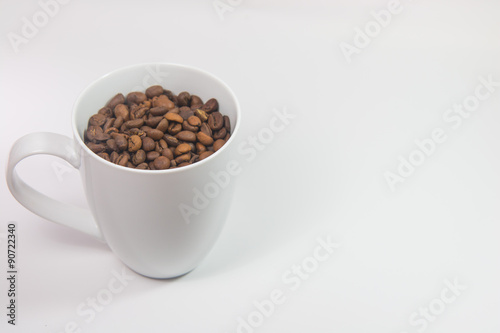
(163, 125)
(163, 100)
(139, 157)
(182, 149)
(154, 91)
(145, 130)
(187, 127)
(118, 99)
(218, 144)
(167, 153)
(111, 145)
(196, 102)
(206, 129)
(122, 160)
(210, 106)
(186, 136)
(106, 112)
(142, 166)
(153, 121)
(185, 112)
(161, 163)
(134, 143)
(200, 148)
(184, 99)
(201, 114)
(158, 111)
(171, 141)
(136, 97)
(194, 121)
(174, 128)
(148, 144)
(174, 117)
(204, 139)
(104, 155)
(220, 134)
(215, 121)
(152, 155)
(205, 154)
(183, 158)
(96, 147)
(155, 134)
(136, 123)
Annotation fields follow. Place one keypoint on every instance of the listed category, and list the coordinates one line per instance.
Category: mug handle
(40, 204)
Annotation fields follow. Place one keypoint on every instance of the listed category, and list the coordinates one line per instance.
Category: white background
(323, 176)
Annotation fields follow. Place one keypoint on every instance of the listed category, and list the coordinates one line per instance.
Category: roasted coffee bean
(163, 100)
(167, 153)
(122, 160)
(96, 147)
(184, 99)
(182, 149)
(171, 140)
(205, 154)
(114, 157)
(200, 148)
(121, 110)
(134, 143)
(121, 141)
(148, 144)
(185, 112)
(137, 130)
(215, 121)
(118, 122)
(163, 125)
(183, 158)
(118, 99)
(152, 155)
(174, 117)
(158, 111)
(139, 157)
(194, 121)
(174, 128)
(142, 166)
(210, 106)
(206, 129)
(155, 134)
(201, 114)
(136, 97)
(220, 134)
(108, 124)
(196, 102)
(154, 91)
(153, 121)
(136, 123)
(104, 155)
(161, 163)
(187, 127)
(111, 145)
(139, 113)
(218, 144)
(204, 139)
(186, 136)
(227, 124)
(97, 120)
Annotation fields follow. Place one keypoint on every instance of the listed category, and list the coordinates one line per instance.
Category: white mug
(160, 223)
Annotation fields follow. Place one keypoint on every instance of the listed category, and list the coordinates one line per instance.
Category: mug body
(160, 223)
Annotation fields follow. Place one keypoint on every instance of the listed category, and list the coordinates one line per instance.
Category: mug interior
(177, 78)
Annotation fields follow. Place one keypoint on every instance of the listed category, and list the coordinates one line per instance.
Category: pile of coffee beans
(157, 130)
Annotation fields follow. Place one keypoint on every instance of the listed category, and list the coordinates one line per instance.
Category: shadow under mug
(160, 223)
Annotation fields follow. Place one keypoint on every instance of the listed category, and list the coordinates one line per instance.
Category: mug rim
(143, 65)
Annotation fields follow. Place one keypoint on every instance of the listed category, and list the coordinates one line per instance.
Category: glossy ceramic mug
(160, 223)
